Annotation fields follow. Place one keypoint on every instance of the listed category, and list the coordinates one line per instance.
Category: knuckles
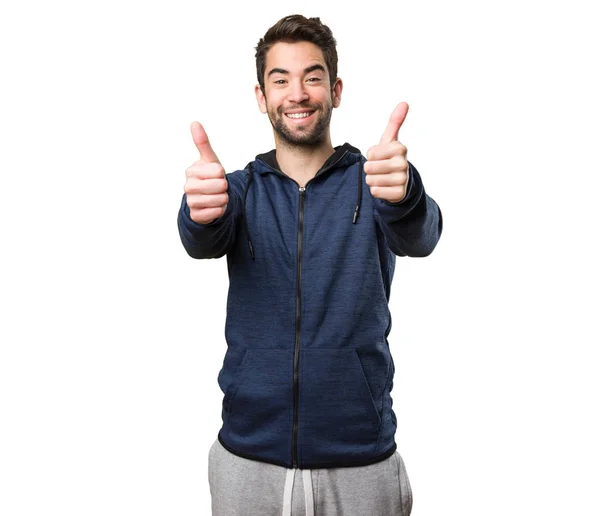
(391, 194)
(208, 186)
(214, 169)
(398, 148)
(395, 149)
(205, 170)
(400, 163)
(206, 215)
(394, 179)
(396, 165)
(202, 201)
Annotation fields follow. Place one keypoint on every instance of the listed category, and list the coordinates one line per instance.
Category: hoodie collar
(340, 152)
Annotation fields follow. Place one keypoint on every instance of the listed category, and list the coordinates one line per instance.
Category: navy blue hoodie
(308, 372)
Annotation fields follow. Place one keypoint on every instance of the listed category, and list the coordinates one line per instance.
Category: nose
(297, 92)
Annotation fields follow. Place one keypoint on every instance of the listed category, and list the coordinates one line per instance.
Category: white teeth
(298, 115)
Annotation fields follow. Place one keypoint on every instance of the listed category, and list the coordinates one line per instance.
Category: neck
(302, 163)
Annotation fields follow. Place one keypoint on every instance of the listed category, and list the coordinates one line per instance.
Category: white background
(112, 337)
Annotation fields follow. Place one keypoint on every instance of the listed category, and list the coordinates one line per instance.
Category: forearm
(211, 240)
(413, 226)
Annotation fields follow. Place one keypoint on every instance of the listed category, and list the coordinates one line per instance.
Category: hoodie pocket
(263, 397)
(229, 376)
(338, 415)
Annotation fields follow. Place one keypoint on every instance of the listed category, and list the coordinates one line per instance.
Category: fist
(386, 167)
(205, 184)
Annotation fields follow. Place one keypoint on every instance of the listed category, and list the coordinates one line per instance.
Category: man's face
(298, 96)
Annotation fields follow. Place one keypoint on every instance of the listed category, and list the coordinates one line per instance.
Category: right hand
(205, 184)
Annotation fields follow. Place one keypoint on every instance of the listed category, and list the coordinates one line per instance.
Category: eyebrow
(306, 70)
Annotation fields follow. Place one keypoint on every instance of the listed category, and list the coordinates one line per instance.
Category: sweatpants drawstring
(289, 488)
(308, 493)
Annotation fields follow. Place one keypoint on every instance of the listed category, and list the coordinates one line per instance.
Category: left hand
(386, 166)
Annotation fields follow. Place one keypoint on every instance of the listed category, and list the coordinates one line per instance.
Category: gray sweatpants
(242, 487)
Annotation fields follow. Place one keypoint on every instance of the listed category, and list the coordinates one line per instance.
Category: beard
(302, 136)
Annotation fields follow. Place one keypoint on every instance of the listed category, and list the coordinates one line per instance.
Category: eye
(279, 81)
(314, 79)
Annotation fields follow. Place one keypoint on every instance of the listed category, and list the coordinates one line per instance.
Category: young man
(311, 233)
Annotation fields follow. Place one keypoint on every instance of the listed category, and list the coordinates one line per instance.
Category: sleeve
(413, 226)
(215, 239)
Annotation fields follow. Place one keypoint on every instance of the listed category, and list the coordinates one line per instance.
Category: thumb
(202, 144)
(396, 121)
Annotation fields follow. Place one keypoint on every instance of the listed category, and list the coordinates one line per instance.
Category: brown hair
(293, 29)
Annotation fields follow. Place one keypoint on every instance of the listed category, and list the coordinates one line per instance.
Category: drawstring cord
(309, 502)
(250, 172)
(357, 209)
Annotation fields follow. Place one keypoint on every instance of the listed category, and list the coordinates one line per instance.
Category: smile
(304, 114)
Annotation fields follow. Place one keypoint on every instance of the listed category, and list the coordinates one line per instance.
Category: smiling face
(298, 97)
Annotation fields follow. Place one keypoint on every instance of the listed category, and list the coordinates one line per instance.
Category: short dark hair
(293, 29)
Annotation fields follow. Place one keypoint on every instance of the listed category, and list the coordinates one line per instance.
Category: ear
(337, 92)
(260, 98)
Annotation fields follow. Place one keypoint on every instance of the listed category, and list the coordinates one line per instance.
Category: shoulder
(238, 178)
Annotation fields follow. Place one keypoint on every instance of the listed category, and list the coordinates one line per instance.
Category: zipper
(301, 191)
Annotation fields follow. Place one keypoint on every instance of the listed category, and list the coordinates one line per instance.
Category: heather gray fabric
(242, 487)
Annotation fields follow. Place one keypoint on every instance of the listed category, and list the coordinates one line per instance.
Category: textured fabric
(308, 372)
(242, 487)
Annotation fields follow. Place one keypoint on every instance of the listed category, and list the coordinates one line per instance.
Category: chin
(309, 135)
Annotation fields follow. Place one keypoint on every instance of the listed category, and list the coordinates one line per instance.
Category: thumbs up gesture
(386, 166)
(205, 184)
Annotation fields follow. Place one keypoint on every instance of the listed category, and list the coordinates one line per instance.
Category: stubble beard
(302, 137)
